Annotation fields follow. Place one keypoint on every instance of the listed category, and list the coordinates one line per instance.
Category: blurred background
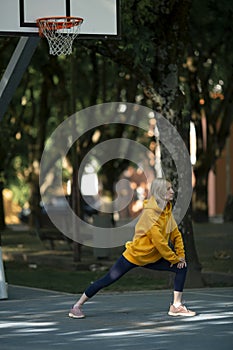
(174, 57)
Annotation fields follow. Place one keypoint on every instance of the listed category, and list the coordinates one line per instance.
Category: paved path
(37, 319)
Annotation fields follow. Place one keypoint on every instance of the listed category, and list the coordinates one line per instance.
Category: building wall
(224, 176)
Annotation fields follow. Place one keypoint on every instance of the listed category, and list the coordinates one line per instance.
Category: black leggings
(122, 266)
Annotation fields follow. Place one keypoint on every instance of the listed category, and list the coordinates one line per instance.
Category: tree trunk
(75, 161)
(36, 149)
(76, 206)
(166, 73)
(194, 278)
(200, 194)
(2, 213)
(34, 200)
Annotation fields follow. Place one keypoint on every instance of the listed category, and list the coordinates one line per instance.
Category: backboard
(101, 17)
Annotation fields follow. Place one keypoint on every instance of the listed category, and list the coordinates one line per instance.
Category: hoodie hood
(151, 203)
(152, 215)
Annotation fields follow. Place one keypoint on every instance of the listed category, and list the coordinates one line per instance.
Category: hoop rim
(53, 24)
(38, 20)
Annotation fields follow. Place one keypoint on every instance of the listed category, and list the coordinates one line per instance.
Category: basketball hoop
(60, 33)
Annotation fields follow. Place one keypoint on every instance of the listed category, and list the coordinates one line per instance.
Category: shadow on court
(37, 319)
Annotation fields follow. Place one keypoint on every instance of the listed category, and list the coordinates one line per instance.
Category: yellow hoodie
(154, 229)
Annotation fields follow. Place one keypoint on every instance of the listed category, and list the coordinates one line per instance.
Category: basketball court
(37, 319)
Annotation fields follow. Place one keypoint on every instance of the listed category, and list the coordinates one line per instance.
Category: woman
(157, 244)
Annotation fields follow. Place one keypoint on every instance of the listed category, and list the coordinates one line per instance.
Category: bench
(46, 231)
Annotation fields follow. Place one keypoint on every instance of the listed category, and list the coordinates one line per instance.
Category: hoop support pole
(3, 285)
(17, 65)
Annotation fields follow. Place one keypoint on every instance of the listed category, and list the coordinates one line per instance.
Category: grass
(213, 244)
(61, 277)
(72, 281)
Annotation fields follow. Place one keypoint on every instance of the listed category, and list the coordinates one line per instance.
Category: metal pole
(18, 64)
(11, 78)
(3, 285)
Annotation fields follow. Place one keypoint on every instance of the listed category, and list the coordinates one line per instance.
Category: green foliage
(21, 192)
(212, 40)
(41, 274)
(209, 88)
(153, 46)
(210, 64)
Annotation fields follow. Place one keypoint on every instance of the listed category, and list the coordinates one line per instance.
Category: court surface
(37, 319)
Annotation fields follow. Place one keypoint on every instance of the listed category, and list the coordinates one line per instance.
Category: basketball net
(60, 33)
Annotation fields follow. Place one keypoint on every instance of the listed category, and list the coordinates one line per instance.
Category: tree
(6, 136)
(151, 52)
(152, 49)
(33, 114)
(147, 62)
(210, 89)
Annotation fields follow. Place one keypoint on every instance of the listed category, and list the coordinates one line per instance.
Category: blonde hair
(158, 189)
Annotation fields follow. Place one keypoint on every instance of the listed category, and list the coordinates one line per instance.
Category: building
(221, 183)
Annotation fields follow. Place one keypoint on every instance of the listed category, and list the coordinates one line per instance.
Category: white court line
(210, 294)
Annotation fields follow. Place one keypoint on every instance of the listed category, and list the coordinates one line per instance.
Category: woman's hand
(182, 263)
